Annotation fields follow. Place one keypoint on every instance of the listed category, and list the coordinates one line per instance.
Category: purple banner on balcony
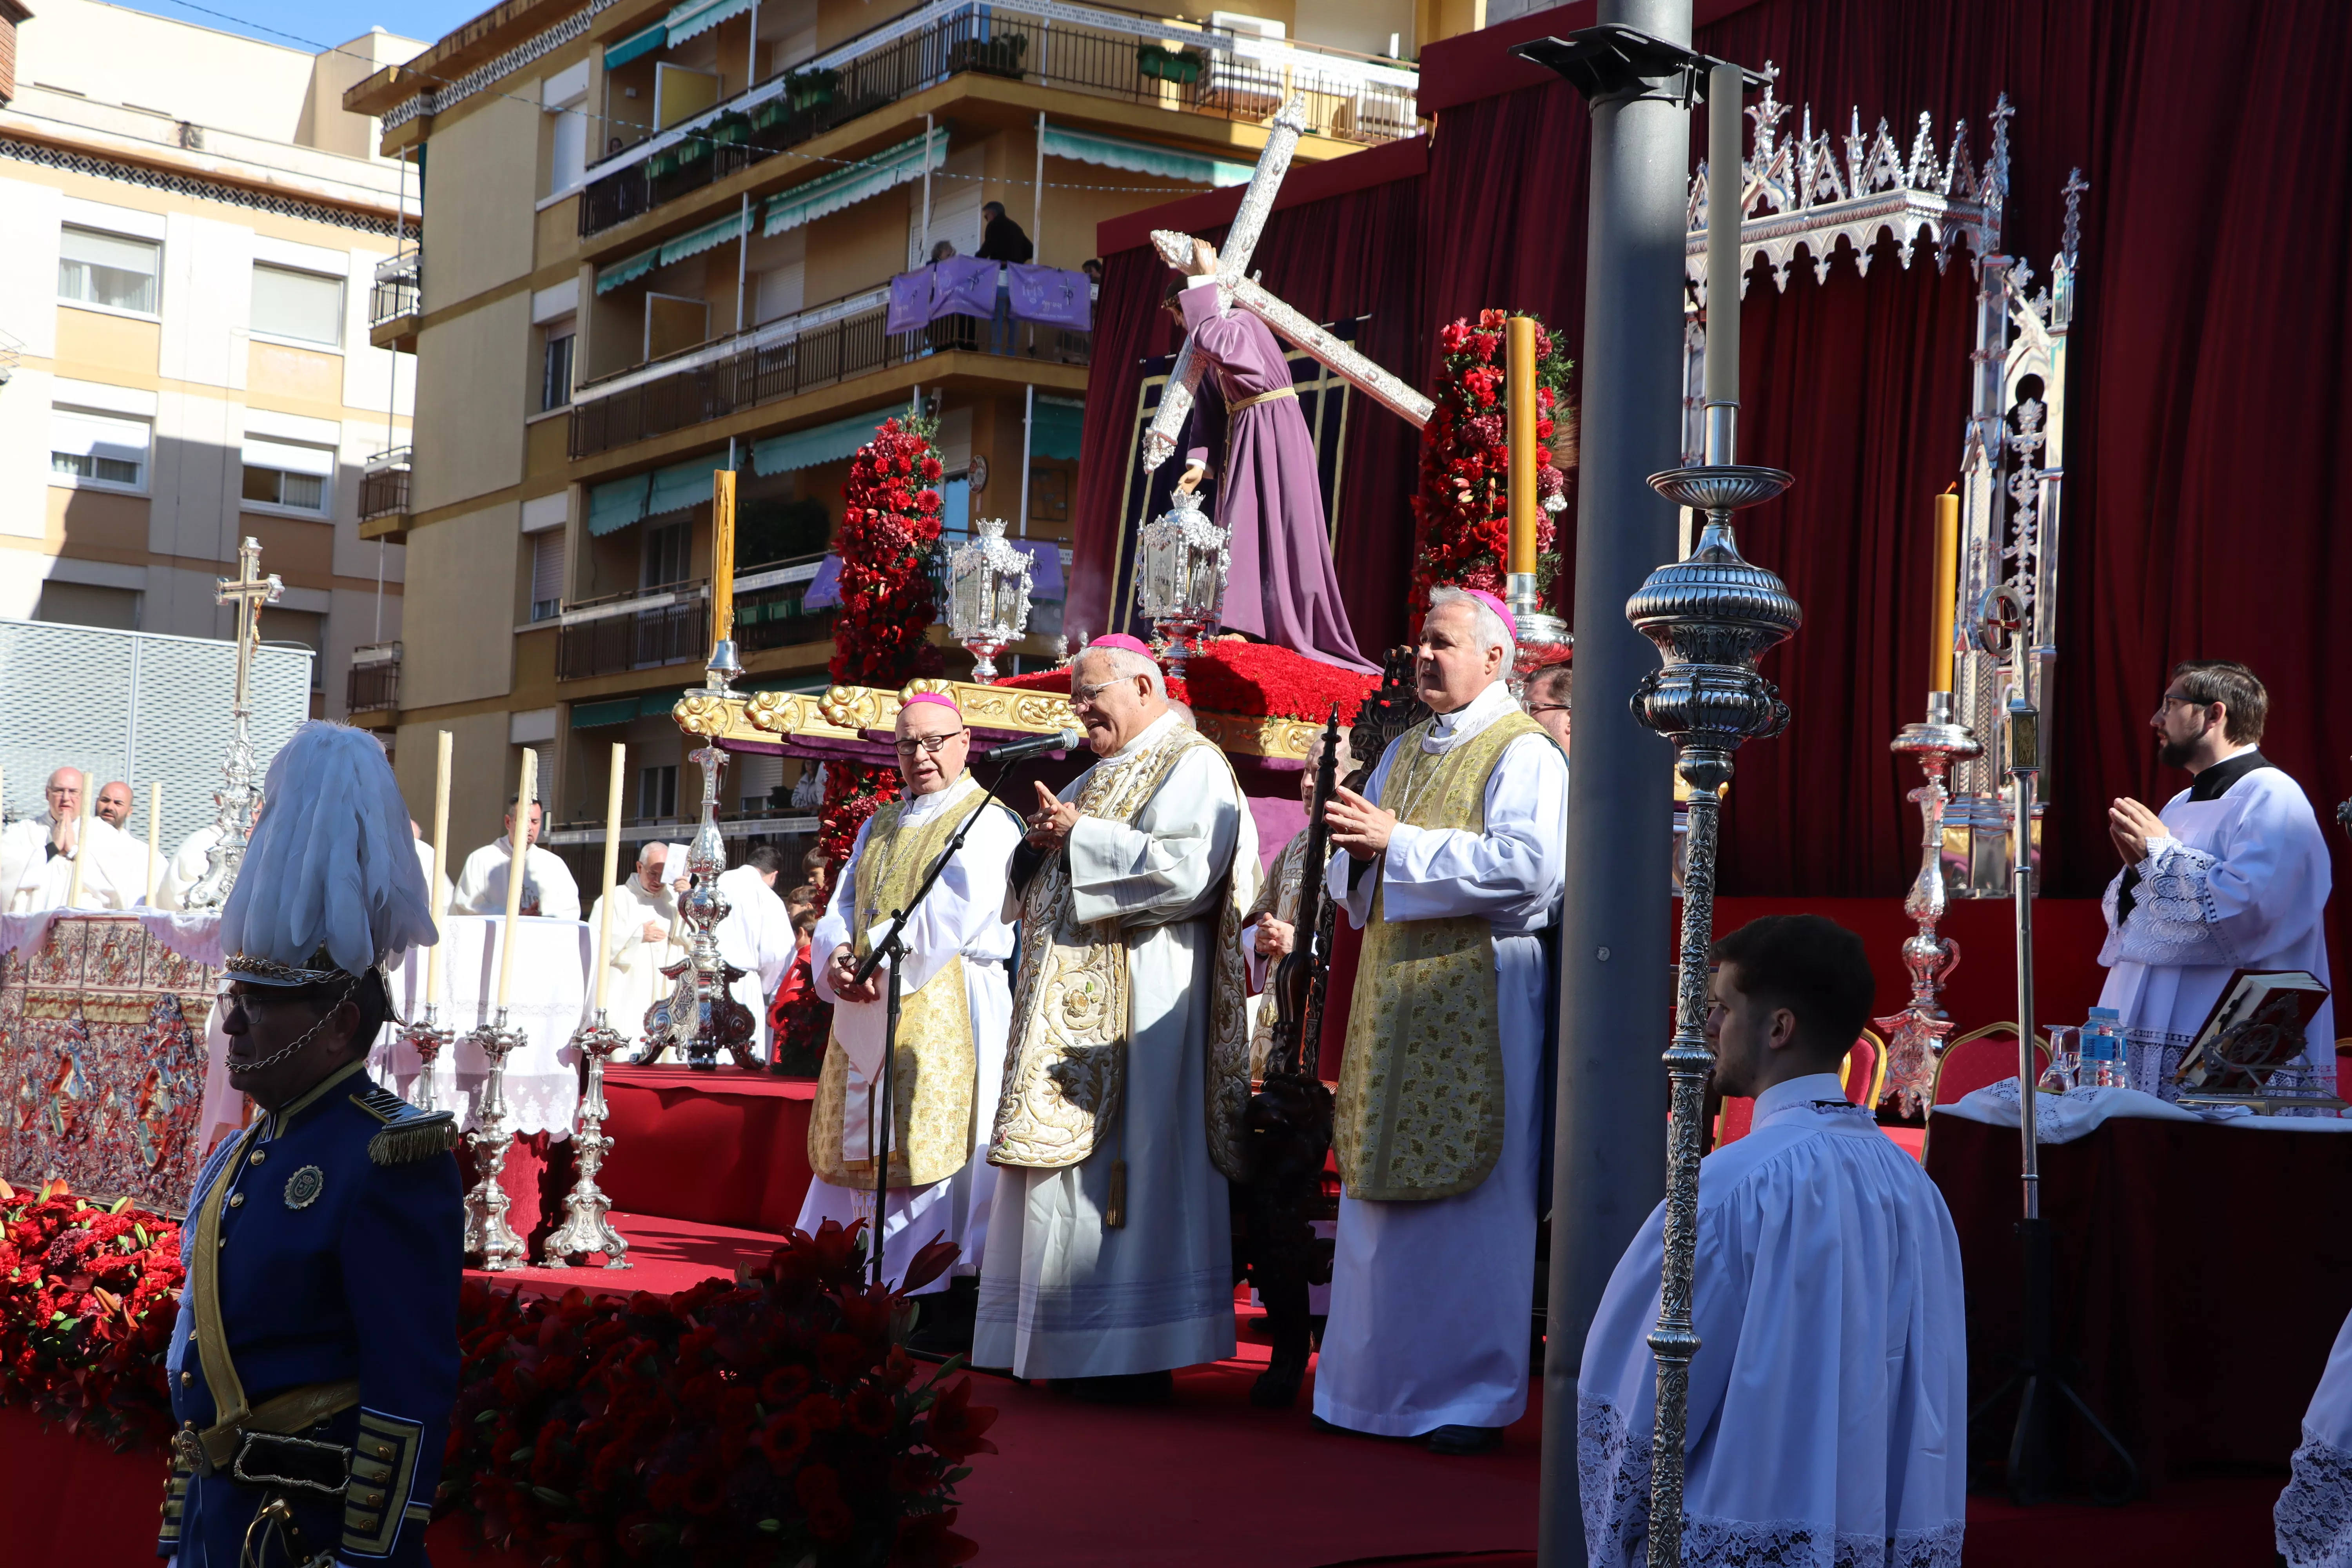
(824, 591)
(1050, 296)
(910, 301)
(963, 286)
(1045, 564)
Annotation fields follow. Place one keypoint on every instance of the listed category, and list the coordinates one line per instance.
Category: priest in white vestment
(643, 940)
(1451, 862)
(37, 856)
(2311, 1521)
(548, 888)
(2232, 874)
(757, 935)
(1109, 1258)
(951, 1026)
(1828, 1402)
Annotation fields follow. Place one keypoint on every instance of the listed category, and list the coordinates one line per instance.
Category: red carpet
(665, 1256)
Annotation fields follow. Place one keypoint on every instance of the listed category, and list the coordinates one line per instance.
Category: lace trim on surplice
(2313, 1518)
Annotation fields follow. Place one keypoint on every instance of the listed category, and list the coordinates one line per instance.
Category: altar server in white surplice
(2232, 875)
(2313, 1518)
(644, 938)
(1451, 862)
(953, 1006)
(1828, 1405)
(548, 888)
(757, 936)
(1110, 1249)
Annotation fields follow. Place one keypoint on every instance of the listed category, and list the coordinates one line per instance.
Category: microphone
(1021, 751)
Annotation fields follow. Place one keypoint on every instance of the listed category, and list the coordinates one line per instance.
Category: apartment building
(191, 225)
(660, 240)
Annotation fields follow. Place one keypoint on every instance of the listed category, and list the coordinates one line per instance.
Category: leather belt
(216, 1450)
(1240, 403)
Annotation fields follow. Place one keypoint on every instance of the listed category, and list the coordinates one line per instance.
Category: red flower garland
(86, 1310)
(1461, 528)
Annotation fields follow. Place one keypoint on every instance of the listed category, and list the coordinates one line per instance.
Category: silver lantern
(1179, 577)
(988, 595)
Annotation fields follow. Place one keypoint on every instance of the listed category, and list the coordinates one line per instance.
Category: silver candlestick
(700, 1016)
(584, 1229)
(1914, 1037)
(488, 1234)
(426, 1036)
(1543, 638)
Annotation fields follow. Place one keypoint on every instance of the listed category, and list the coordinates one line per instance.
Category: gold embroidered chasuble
(1064, 1067)
(1420, 1112)
(932, 1087)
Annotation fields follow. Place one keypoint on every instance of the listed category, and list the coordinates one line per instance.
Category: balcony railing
(1095, 49)
(373, 683)
(383, 484)
(644, 629)
(399, 281)
(816, 348)
(768, 607)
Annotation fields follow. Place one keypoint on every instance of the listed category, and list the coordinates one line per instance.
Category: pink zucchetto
(1122, 641)
(945, 701)
(1510, 622)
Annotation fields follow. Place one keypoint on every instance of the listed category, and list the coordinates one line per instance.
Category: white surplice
(115, 877)
(546, 880)
(961, 915)
(2239, 882)
(756, 937)
(634, 980)
(1432, 1302)
(1828, 1407)
(1061, 1295)
(2313, 1518)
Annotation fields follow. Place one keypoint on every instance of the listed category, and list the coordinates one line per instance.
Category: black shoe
(943, 1326)
(1125, 1388)
(1464, 1439)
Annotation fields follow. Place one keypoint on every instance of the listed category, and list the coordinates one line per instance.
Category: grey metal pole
(1616, 929)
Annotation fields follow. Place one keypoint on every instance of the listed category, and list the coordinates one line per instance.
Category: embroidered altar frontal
(102, 1061)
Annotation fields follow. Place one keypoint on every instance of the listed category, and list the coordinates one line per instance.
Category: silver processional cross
(247, 593)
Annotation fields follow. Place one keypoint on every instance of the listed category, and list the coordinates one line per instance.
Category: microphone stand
(893, 947)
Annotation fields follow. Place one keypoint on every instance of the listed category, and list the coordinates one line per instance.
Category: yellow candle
(1519, 377)
(1948, 589)
(81, 840)
(436, 961)
(155, 834)
(722, 555)
(517, 859)
(612, 870)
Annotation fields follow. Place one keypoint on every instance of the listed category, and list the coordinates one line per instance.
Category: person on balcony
(548, 888)
(1002, 239)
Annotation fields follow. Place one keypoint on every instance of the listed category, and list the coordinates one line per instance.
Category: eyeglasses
(1084, 696)
(2170, 698)
(927, 744)
(1550, 708)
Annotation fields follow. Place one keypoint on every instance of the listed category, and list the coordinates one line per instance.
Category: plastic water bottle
(2103, 1050)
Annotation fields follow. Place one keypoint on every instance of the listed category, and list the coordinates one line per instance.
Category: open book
(2255, 1029)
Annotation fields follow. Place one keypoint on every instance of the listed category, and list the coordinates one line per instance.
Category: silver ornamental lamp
(1712, 617)
(1181, 561)
(989, 580)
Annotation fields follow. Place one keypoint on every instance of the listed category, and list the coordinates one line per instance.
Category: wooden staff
(437, 960)
(612, 867)
(518, 843)
(82, 843)
(154, 834)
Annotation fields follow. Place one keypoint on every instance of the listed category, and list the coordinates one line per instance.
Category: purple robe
(1281, 585)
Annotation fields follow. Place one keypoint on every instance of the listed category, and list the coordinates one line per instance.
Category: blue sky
(318, 23)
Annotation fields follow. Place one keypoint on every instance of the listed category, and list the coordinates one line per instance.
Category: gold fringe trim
(420, 1137)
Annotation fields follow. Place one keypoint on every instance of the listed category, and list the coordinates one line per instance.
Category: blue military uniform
(324, 1246)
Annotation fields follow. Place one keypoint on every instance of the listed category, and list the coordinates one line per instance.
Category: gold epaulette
(409, 1134)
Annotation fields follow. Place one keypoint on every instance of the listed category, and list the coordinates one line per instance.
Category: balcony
(644, 629)
(1094, 50)
(396, 302)
(833, 342)
(768, 607)
(372, 685)
(383, 497)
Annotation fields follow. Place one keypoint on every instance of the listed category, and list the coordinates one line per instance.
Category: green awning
(847, 187)
(616, 504)
(700, 16)
(683, 485)
(1143, 157)
(696, 241)
(1055, 427)
(596, 715)
(635, 45)
(820, 444)
(626, 271)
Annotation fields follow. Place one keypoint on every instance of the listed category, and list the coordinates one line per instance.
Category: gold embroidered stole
(1278, 898)
(1064, 1068)
(1420, 1113)
(936, 1063)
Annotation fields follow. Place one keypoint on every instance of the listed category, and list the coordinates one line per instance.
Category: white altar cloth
(548, 1003)
(2062, 1118)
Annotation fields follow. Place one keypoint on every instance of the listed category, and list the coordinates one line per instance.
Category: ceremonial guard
(1110, 1249)
(954, 1008)
(1453, 863)
(315, 1359)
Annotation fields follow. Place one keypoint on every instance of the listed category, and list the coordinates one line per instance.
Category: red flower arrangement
(772, 1419)
(86, 1310)
(1462, 511)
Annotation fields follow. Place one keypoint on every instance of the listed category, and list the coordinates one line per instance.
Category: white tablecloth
(2062, 1118)
(548, 1003)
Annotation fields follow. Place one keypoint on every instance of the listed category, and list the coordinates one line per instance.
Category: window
(568, 153)
(547, 574)
(658, 792)
(100, 449)
(300, 479)
(96, 268)
(303, 306)
(82, 604)
(298, 628)
(555, 366)
(665, 551)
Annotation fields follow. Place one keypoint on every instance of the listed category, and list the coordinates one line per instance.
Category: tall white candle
(81, 840)
(1723, 176)
(611, 870)
(518, 861)
(155, 834)
(437, 961)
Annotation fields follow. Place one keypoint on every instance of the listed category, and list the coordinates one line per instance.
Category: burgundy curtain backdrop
(2206, 407)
